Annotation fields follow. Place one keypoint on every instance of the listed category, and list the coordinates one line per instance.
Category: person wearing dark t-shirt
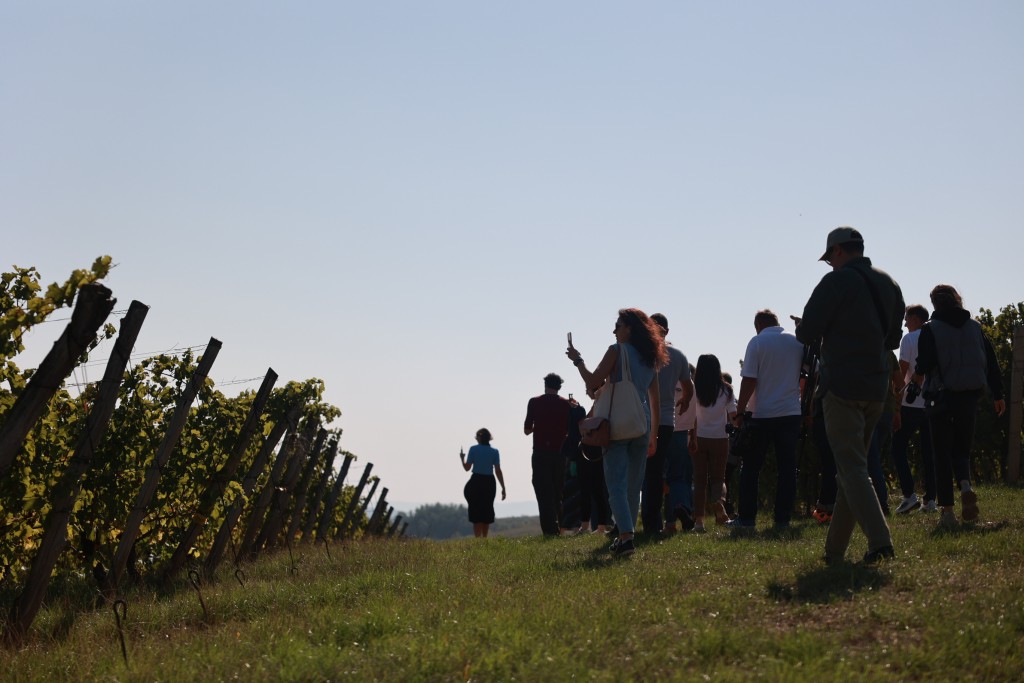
(547, 419)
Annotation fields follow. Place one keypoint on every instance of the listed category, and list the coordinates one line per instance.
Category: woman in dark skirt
(480, 489)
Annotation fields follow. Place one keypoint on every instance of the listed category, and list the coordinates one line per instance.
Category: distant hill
(513, 527)
(440, 521)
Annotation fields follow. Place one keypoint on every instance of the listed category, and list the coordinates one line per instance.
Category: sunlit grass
(950, 607)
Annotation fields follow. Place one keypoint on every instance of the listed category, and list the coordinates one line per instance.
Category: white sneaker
(909, 504)
(930, 506)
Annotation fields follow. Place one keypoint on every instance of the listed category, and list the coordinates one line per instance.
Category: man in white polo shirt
(912, 419)
(770, 390)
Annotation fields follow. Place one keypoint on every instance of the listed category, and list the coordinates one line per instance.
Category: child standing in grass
(716, 407)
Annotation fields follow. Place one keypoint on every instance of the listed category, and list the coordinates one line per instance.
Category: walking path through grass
(689, 607)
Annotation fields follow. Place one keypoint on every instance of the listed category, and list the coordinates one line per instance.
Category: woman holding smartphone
(638, 338)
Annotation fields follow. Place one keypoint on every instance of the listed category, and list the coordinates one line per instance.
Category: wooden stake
(321, 490)
(220, 542)
(66, 491)
(92, 306)
(163, 454)
(323, 528)
(219, 481)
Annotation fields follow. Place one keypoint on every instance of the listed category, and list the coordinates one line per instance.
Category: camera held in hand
(913, 391)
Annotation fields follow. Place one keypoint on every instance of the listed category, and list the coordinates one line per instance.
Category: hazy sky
(416, 201)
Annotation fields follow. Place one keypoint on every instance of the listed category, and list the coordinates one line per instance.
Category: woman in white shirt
(716, 406)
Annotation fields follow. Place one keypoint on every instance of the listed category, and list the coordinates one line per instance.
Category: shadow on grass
(970, 528)
(790, 533)
(825, 585)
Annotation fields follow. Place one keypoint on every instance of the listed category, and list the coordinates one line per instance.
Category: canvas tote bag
(626, 416)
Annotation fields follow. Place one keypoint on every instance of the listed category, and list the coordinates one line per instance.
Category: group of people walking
(843, 345)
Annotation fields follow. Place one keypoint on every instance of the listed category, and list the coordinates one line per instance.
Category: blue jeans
(679, 475)
(624, 465)
(784, 432)
(913, 420)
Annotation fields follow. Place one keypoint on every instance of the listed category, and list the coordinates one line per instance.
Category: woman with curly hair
(639, 341)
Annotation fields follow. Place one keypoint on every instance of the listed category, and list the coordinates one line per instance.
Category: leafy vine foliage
(146, 404)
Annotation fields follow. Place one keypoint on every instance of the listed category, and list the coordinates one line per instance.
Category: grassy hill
(690, 607)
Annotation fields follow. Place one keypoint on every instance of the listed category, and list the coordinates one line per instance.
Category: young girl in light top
(716, 406)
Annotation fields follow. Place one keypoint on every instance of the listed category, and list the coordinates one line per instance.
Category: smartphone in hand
(570, 340)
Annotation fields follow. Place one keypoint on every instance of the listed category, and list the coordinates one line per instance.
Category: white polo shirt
(773, 358)
(908, 353)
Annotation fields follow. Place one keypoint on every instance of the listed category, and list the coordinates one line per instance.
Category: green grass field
(691, 607)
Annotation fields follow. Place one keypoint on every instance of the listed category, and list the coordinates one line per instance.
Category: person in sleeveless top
(624, 460)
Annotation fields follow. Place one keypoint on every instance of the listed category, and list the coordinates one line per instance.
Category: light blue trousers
(624, 465)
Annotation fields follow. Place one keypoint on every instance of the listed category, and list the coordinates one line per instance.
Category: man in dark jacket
(856, 312)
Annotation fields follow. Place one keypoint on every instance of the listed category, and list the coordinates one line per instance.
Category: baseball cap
(840, 236)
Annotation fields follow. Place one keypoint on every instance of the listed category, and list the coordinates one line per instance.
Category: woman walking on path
(639, 343)
(716, 408)
(480, 489)
(956, 360)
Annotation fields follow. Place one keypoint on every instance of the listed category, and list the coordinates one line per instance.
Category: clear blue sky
(416, 201)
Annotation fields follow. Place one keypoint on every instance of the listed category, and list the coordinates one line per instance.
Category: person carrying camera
(855, 311)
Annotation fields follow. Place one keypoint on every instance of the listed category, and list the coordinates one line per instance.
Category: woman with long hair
(639, 341)
(716, 407)
(955, 360)
(480, 489)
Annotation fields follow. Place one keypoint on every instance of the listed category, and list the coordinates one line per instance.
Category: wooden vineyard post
(327, 516)
(379, 510)
(302, 488)
(259, 510)
(92, 307)
(227, 528)
(283, 492)
(313, 517)
(385, 520)
(1016, 393)
(163, 454)
(356, 523)
(65, 493)
(394, 526)
(221, 478)
(404, 527)
(353, 502)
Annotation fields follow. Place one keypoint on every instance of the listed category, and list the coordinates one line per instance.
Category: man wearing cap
(547, 418)
(856, 312)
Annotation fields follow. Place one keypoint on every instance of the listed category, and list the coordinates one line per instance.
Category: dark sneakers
(684, 517)
(622, 548)
(875, 556)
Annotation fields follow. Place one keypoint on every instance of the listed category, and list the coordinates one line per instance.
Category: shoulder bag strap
(624, 356)
(876, 299)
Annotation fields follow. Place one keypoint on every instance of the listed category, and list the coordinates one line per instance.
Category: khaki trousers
(849, 425)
